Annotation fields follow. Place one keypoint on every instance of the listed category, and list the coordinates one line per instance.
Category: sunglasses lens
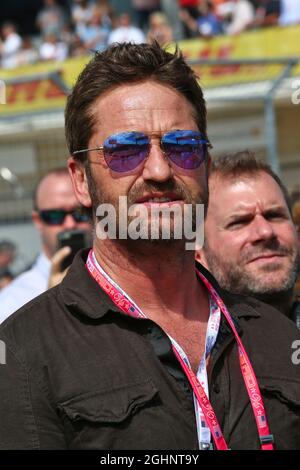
(53, 216)
(125, 151)
(80, 216)
(187, 149)
(57, 216)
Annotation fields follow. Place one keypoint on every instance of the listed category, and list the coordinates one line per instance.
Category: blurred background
(246, 53)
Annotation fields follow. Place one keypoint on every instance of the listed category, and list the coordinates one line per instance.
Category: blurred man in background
(126, 32)
(55, 209)
(251, 244)
(10, 45)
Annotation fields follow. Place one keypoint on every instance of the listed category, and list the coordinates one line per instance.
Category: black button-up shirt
(81, 374)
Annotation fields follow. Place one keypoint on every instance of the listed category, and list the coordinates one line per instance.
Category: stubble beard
(98, 197)
(235, 277)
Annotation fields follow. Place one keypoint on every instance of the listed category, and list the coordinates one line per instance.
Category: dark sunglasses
(125, 151)
(57, 216)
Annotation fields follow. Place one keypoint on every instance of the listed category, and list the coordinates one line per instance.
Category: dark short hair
(127, 63)
(244, 163)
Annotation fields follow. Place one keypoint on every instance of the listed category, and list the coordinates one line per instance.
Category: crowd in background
(89, 25)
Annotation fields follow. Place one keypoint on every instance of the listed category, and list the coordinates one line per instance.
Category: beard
(99, 197)
(266, 282)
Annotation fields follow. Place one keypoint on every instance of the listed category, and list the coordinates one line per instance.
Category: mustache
(164, 187)
(266, 248)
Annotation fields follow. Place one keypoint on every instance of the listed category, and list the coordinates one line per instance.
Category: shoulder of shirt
(32, 325)
(31, 306)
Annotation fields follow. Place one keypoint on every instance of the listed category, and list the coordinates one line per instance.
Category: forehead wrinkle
(238, 207)
(135, 102)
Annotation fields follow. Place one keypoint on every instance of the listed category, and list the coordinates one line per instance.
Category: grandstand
(251, 81)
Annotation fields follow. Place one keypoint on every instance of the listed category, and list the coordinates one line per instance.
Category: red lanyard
(124, 303)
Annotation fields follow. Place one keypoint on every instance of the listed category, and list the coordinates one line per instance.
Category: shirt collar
(81, 293)
(43, 265)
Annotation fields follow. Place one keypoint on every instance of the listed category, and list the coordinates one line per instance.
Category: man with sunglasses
(136, 349)
(55, 209)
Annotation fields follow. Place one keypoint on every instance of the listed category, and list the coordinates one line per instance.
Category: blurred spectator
(126, 32)
(206, 24)
(94, 34)
(6, 278)
(77, 48)
(143, 9)
(106, 9)
(103, 9)
(267, 13)
(89, 26)
(7, 253)
(290, 12)
(9, 46)
(159, 29)
(54, 206)
(84, 11)
(188, 14)
(242, 16)
(53, 49)
(81, 12)
(27, 54)
(171, 10)
(191, 6)
(67, 34)
(51, 18)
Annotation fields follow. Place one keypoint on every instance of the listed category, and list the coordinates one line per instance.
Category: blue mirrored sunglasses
(125, 151)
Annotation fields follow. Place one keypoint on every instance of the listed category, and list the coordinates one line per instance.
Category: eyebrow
(244, 213)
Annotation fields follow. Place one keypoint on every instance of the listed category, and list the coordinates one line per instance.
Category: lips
(159, 198)
(266, 257)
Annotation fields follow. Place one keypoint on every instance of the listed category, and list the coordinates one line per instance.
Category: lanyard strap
(124, 303)
(266, 439)
(203, 431)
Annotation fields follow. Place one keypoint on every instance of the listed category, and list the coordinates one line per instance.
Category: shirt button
(216, 388)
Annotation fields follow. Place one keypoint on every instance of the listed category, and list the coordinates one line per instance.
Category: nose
(262, 229)
(69, 223)
(157, 167)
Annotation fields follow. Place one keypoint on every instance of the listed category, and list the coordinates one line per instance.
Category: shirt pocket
(109, 418)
